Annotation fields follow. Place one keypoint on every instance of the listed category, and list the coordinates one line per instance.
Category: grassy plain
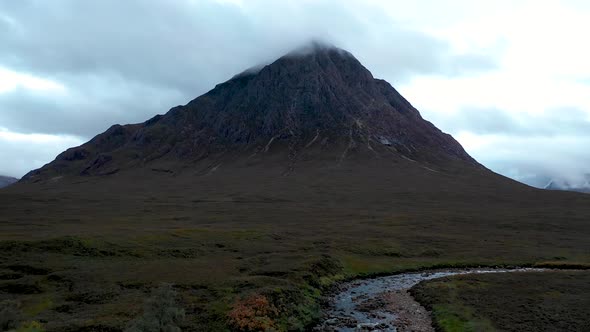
(82, 254)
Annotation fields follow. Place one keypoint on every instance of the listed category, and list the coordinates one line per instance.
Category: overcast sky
(509, 79)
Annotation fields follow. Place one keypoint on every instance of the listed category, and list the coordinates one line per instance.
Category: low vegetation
(160, 314)
(82, 258)
(11, 318)
(254, 313)
(530, 301)
(9, 315)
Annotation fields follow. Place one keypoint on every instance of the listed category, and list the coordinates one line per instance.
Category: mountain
(6, 181)
(319, 102)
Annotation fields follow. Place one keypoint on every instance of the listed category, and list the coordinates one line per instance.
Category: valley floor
(84, 256)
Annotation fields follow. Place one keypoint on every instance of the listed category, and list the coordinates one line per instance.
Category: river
(383, 303)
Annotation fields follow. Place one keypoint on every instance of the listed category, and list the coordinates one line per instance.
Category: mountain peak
(311, 56)
(316, 46)
(316, 101)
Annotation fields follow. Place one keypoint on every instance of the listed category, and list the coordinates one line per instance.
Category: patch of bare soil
(411, 316)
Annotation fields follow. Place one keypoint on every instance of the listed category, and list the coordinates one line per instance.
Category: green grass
(31, 326)
(449, 312)
(529, 301)
(452, 318)
(37, 306)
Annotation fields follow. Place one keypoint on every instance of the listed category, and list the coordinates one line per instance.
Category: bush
(253, 313)
(9, 315)
(160, 314)
(31, 327)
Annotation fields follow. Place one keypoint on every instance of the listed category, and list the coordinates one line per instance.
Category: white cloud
(528, 118)
(533, 160)
(20, 152)
(11, 80)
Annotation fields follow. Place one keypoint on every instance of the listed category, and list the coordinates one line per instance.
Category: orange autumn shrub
(253, 313)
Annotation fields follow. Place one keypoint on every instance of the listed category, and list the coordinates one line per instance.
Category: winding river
(383, 304)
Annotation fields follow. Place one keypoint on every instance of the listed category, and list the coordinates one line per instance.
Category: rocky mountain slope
(317, 103)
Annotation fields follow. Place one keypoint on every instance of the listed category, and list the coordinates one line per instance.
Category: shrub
(253, 313)
(9, 315)
(31, 327)
(160, 314)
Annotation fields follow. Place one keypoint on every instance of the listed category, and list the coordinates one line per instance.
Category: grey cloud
(20, 155)
(537, 160)
(568, 121)
(486, 121)
(533, 149)
(171, 52)
(98, 103)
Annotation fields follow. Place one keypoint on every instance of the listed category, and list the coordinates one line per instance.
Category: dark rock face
(6, 181)
(320, 98)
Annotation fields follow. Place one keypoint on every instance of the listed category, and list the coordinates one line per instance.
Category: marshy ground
(541, 301)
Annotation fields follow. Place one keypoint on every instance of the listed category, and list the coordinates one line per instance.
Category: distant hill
(581, 186)
(6, 181)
